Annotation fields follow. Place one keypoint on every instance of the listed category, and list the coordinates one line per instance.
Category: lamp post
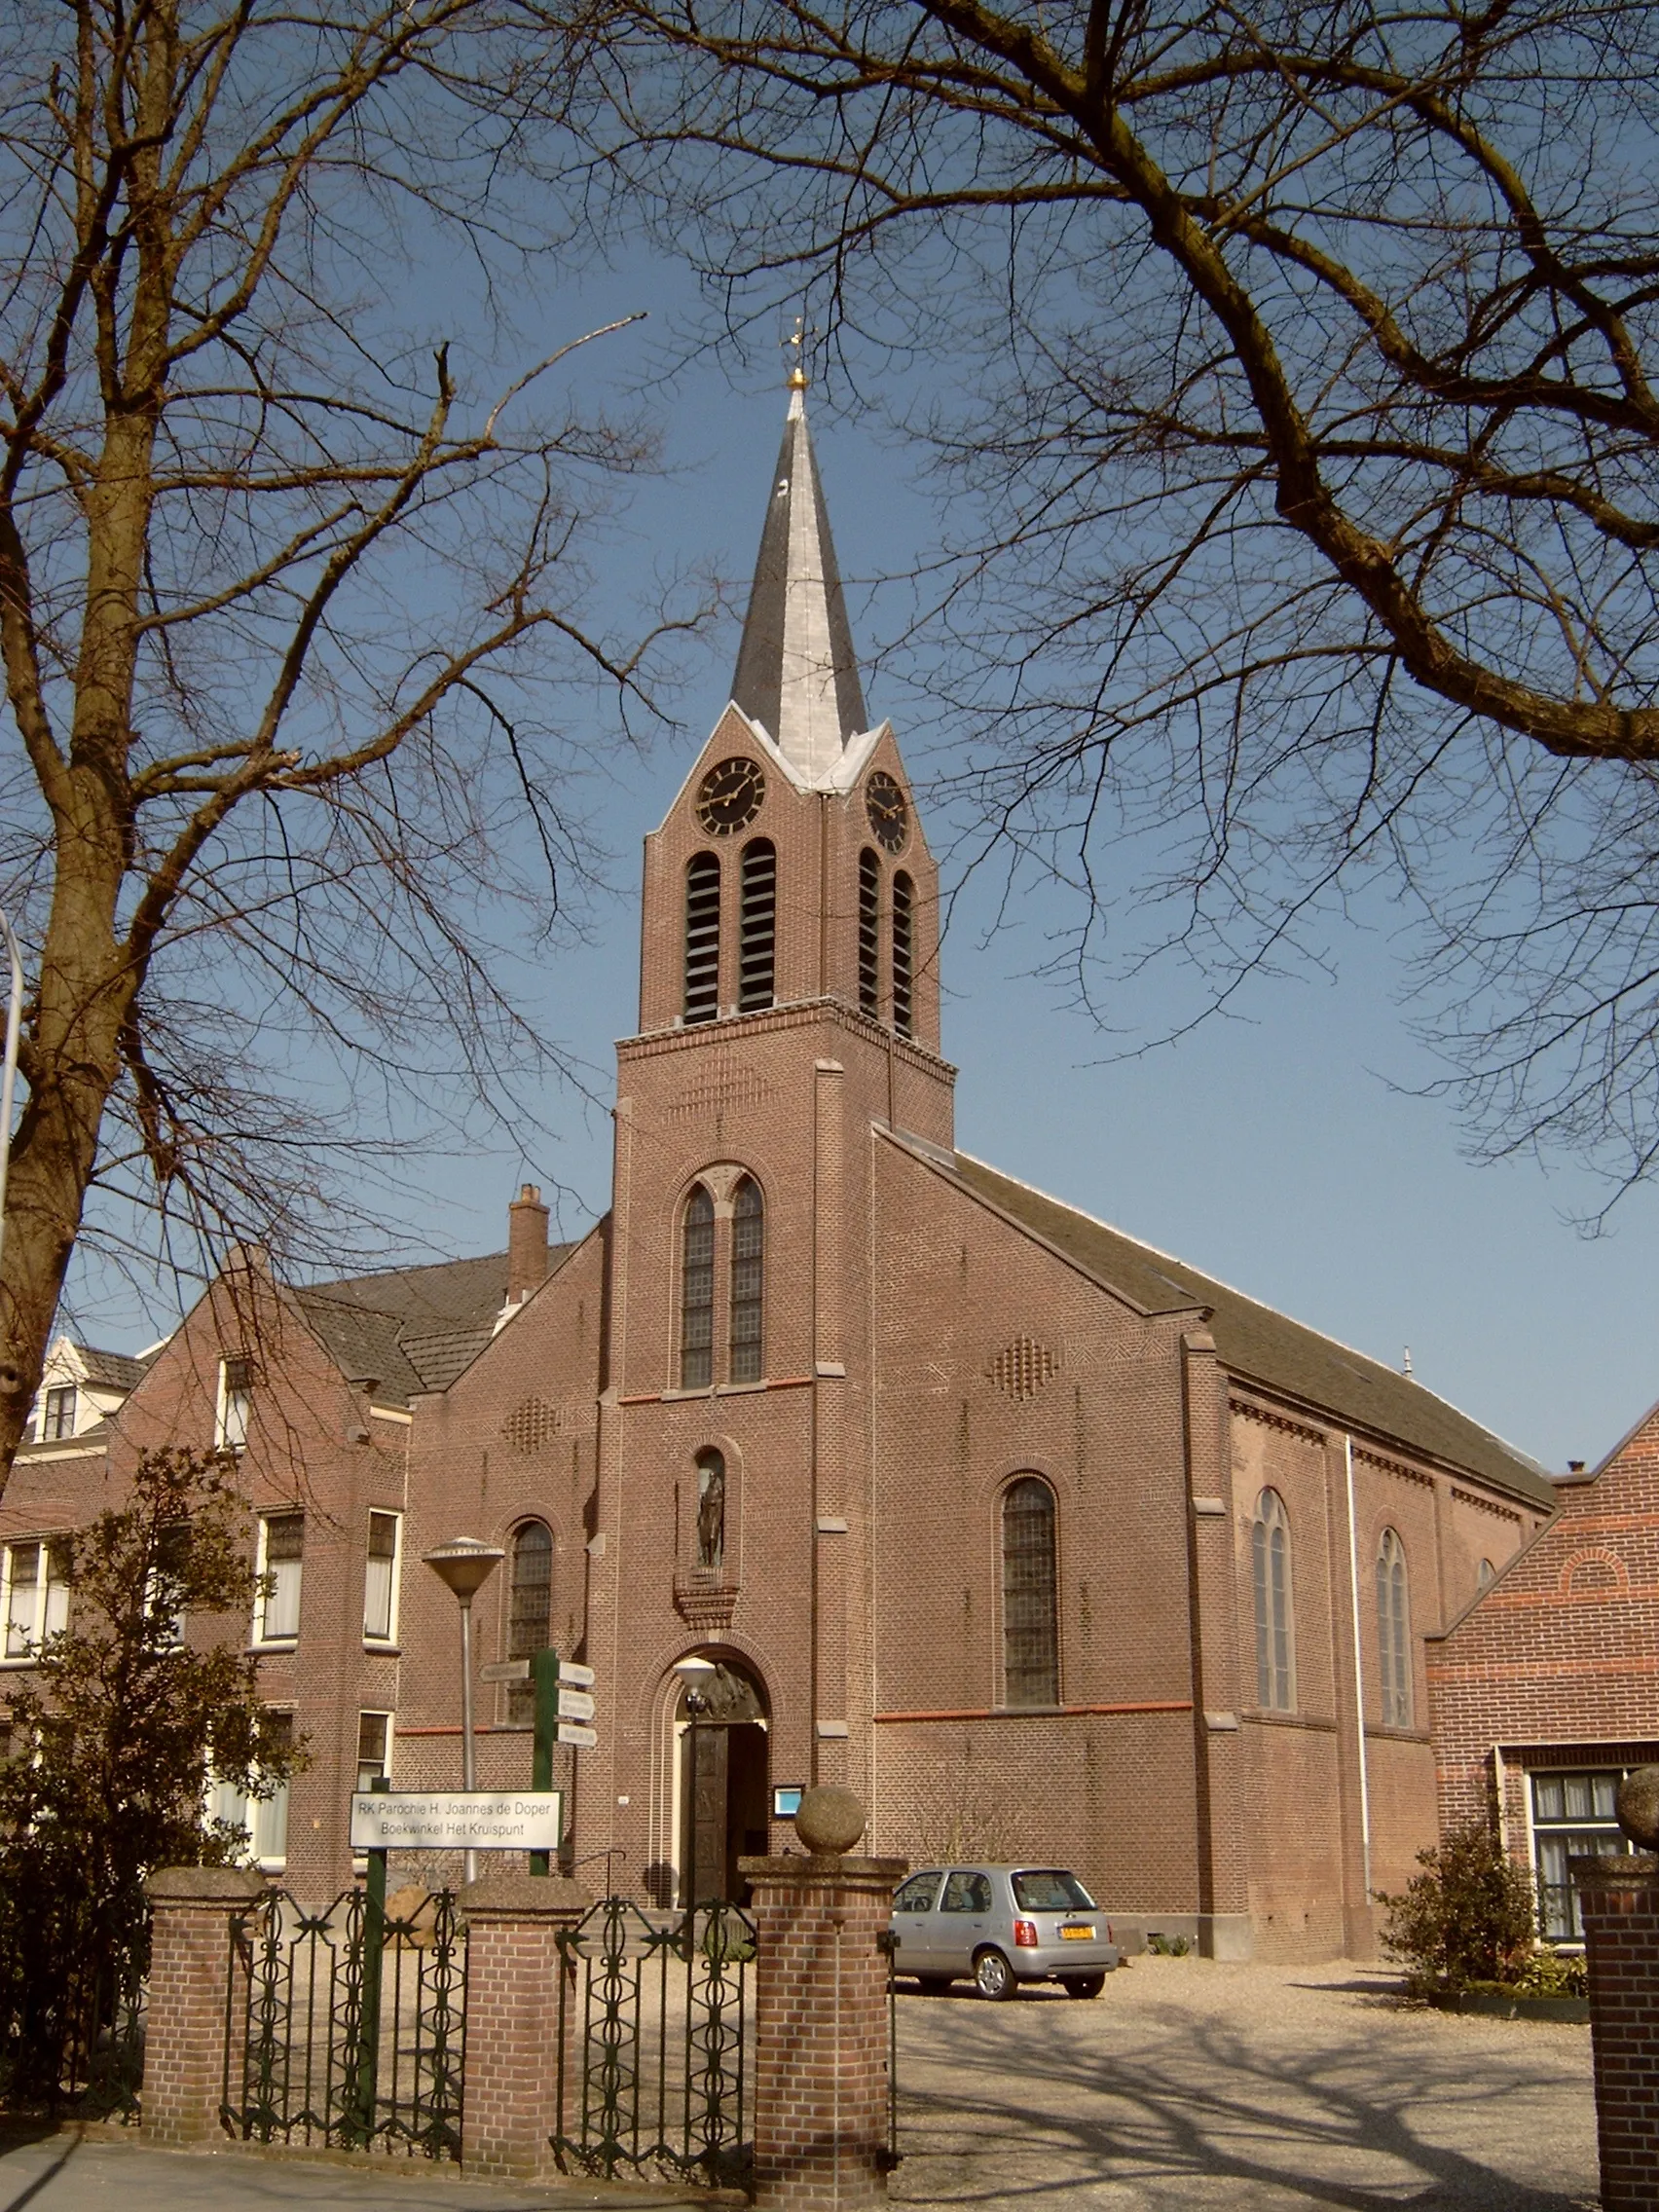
(696, 1674)
(465, 1566)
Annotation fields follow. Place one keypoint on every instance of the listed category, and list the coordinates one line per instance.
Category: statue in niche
(711, 1510)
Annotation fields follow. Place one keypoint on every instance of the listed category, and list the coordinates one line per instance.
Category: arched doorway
(724, 1780)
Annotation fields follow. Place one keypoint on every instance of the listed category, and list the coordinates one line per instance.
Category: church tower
(789, 1007)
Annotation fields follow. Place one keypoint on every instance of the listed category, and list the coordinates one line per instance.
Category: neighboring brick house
(1545, 1690)
(1040, 1540)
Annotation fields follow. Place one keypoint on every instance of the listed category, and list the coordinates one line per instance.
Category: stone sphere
(830, 1820)
(1637, 1807)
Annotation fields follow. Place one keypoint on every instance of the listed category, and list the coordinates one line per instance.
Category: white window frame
(266, 1820)
(375, 1712)
(230, 1409)
(379, 1639)
(48, 1604)
(287, 1639)
(59, 1390)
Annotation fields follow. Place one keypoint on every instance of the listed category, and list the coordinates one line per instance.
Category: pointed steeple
(796, 673)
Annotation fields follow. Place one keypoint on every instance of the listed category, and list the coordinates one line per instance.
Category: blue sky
(1283, 1152)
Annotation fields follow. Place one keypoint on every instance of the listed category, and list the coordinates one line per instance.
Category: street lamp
(465, 1566)
(697, 1674)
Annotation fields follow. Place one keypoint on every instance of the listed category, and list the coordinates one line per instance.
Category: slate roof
(1260, 1346)
(111, 1369)
(413, 1328)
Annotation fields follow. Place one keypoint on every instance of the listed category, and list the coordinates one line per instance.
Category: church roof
(413, 1329)
(1260, 1346)
(798, 674)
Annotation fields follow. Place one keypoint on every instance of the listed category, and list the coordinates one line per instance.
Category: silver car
(1002, 1925)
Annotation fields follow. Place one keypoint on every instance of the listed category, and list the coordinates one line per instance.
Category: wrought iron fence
(347, 2027)
(72, 2029)
(656, 2045)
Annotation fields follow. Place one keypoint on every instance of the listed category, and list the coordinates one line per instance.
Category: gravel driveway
(1193, 2083)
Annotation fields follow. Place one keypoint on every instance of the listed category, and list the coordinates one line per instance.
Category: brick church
(1042, 1540)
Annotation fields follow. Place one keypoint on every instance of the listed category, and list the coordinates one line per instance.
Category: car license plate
(1072, 1935)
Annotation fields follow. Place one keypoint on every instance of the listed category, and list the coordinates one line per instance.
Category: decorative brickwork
(184, 2036)
(821, 2079)
(1620, 1902)
(513, 1967)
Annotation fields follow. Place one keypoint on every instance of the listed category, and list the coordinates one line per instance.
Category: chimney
(527, 1244)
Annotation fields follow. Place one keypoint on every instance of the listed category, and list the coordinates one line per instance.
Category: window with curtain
(757, 926)
(282, 1572)
(869, 932)
(379, 1579)
(1393, 1632)
(697, 1293)
(530, 1609)
(1031, 1639)
(747, 1281)
(903, 952)
(1270, 1569)
(702, 938)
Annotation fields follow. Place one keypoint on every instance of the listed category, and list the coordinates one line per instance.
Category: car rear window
(1049, 1889)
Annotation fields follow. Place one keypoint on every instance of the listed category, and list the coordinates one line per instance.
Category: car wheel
(993, 1976)
(933, 1985)
(1085, 1985)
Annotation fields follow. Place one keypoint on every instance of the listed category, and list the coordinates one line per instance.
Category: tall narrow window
(1270, 1566)
(530, 1609)
(379, 1579)
(697, 1293)
(703, 939)
(757, 926)
(373, 1749)
(264, 1819)
(711, 1508)
(236, 1389)
(903, 951)
(282, 1568)
(748, 1282)
(36, 1598)
(1393, 1632)
(57, 1415)
(1031, 1642)
(869, 932)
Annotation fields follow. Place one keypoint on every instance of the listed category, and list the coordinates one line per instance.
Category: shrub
(1468, 1917)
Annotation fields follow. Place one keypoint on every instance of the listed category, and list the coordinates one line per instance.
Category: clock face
(888, 811)
(729, 796)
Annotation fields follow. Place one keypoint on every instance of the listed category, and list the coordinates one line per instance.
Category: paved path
(1188, 2083)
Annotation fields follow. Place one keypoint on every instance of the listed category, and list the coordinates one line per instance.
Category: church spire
(796, 673)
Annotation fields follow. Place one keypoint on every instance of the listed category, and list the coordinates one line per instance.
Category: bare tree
(1302, 452)
(282, 597)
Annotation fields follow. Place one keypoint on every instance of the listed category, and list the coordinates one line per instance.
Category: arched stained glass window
(1269, 1573)
(869, 932)
(1031, 1640)
(529, 1607)
(748, 1282)
(703, 939)
(903, 952)
(1393, 1632)
(697, 1293)
(757, 926)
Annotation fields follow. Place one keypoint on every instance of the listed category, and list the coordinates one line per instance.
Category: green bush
(1468, 1917)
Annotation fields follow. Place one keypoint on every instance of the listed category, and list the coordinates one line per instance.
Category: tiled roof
(1258, 1344)
(413, 1328)
(111, 1369)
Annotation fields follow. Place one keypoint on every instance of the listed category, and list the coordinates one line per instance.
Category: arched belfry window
(1270, 1572)
(869, 932)
(697, 1293)
(1031, 1639)
(529, 1607)
(1393, 1632)
(757, 926)
(748, 1282)
(903, 951)
(703, 939)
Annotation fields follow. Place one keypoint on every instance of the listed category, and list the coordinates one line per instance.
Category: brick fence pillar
(821, 2083)
(1620, 1902)
(509, 2108)
(184, 2030)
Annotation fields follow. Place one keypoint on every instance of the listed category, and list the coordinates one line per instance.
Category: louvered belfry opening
(697, 1293)
(703, 939)
(757, 926)
(903, 952)
(869, 932)
(1031, 1656)
(748, 1282)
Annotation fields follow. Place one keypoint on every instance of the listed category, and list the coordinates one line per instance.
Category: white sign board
(580, 1678)
(457, 1820)
(574, 1704)
(573, 1732)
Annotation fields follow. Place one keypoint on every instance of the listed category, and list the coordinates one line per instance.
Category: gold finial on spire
(796, 380)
